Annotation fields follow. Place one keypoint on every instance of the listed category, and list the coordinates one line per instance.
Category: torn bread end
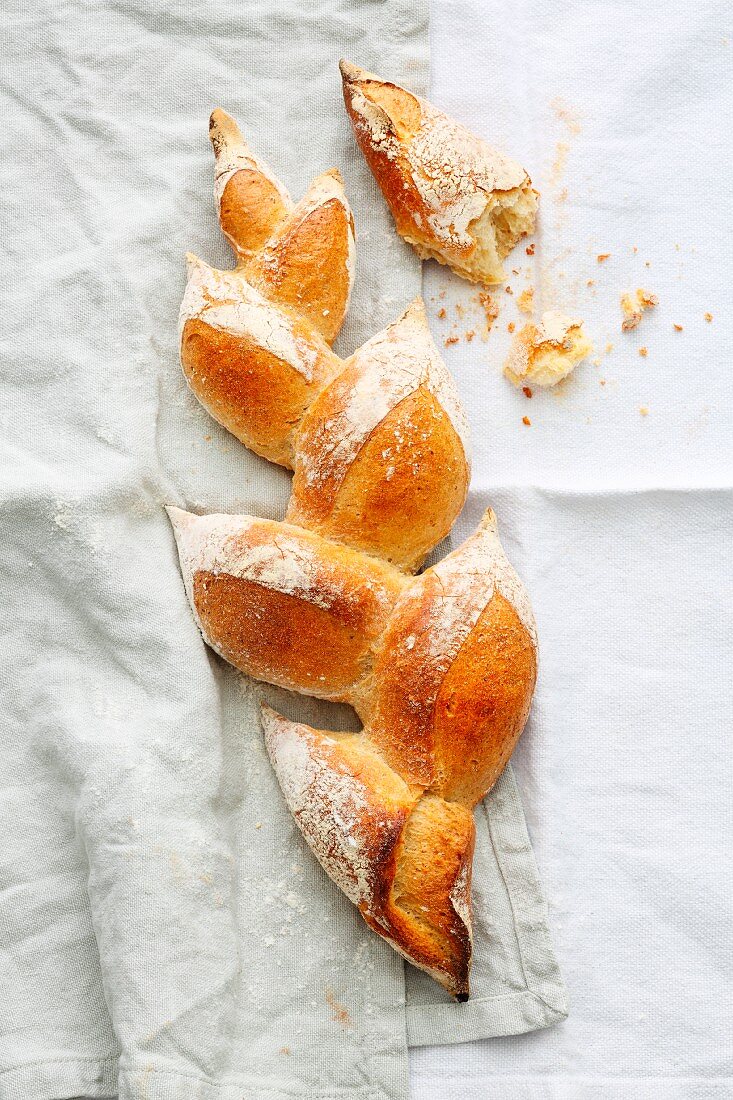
(544, 354)
(509, 216)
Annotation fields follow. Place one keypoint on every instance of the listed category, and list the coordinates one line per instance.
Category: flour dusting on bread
(225, 300)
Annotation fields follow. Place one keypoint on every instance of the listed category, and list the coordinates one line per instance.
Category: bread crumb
(643, 352)
(285, 1050)
(708, 317)
(511, 326)
(527, 421)
(490, 308)
(441, 312)
(635, 250)
(646, 300)
(450, 340)
(529, 250)
(546, 353)
(677, 328)
(508, 290)
(603, 256)
(526, 391)
(647, 263)
(525, 301)
(609, 349)
(644, 410)
(633, 307)
(601, 381)
(591, 282)
(515, 271)
(470, 335)
(459, 309)
(258, 825)
(340, 1014)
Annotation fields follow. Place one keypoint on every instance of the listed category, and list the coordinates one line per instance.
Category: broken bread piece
(634, 305)
(453, 197)
(544, 354)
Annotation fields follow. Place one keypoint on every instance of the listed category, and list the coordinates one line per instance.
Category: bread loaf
(454, 198)
(439, 667)
(378, 442)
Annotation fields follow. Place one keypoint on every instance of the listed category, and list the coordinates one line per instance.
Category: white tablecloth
(622, 113)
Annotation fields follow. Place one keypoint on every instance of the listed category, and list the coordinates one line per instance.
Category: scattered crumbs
(510, 327)
(602, 257)
(285, 1050)
(566, 114)
(601, 381)
(597, 361)
(441, 294)
(708, 317)
(450, 340)
(470, 335)
(508, 289)
(635, 250)
(526, 421)
(644, 410)
(591, 282)
(526, 391)
(634, 306)
(529, 250)
(340, 1013)
(490, 308)
(646, 300)
(459, 309)
(558, 168)
(647, 263)
(525, 301)
(676, 248)
(441, 312)
(677, 328)
(258, 825)
(609, 349)
(643, 352)
(515, 271)
(207, 439)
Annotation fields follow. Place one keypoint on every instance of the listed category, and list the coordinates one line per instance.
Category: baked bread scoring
(440, 667)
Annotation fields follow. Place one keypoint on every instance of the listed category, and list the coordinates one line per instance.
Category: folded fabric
(163, 929)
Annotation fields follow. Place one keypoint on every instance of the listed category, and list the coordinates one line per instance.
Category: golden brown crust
(427, 911)
(483, 703)
(287, 607)
(453, 197)
(439, 667)
(405, 860)
(401, 492)
(256, 395)
(250, 211)
(307, 265)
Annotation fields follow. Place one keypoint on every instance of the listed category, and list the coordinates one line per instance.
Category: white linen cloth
(622, 113)
(164, 931)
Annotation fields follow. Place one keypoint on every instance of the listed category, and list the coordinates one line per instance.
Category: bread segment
(439, 667)
(453, 197)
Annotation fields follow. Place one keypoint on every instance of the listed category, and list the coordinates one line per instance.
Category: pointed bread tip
(352, 73)
(180, 518)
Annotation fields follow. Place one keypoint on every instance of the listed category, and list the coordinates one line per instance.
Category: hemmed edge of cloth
(60, 1078)
(544, 1000)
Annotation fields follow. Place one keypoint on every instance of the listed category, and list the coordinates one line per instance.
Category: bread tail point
(402, 857)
